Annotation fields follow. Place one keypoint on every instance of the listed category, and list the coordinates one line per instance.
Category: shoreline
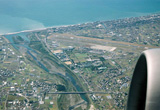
(59, 26)
(35, 29)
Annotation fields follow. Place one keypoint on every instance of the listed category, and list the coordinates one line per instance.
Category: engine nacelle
(144, 91)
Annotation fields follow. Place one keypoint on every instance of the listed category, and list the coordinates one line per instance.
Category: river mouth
(24, 39)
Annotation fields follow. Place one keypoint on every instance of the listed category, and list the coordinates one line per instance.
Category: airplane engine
(144, 93)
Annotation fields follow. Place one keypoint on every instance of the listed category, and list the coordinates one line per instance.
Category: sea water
(19, 15)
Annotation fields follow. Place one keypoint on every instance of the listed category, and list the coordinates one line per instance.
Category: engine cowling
(144, 93)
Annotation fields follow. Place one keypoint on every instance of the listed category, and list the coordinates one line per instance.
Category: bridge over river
(88, 92)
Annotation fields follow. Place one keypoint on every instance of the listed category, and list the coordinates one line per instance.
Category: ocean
(20, 15)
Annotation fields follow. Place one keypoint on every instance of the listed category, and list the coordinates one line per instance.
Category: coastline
(60, 26)
(40, 29)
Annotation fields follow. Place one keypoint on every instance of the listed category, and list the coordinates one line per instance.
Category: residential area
(89, 57)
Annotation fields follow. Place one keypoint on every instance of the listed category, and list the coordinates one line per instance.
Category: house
(41, 102)
(109, 97)
(46, 97)
(51, 103)
(12, 88)
(68, 63)
(57, 52)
